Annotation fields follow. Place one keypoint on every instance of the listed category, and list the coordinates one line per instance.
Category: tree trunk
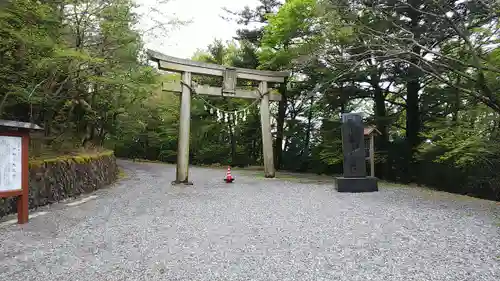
(412, 101)
(382, 141)
(381, 117)
(412, 119)
(90, 136)
(456, 105)
(278, 148)
(305, 152)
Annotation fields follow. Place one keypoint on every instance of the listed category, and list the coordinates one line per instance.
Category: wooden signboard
(14, 145)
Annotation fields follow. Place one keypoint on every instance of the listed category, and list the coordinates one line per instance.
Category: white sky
(206, 23)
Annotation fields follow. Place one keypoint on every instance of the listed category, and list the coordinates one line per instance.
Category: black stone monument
(353, 147)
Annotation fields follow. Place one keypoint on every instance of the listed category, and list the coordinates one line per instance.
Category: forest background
(425, 73)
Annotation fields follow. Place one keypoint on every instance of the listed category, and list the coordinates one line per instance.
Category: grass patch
(297, 177)
(213, 166)
(253, 168)
(121, 173)
(431, 193)
(49, 154)
(80, 159)
(139, 160)
(389, 184)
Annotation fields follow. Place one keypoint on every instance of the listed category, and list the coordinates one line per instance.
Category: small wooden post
(372, 155)
(22, 201)
(184, 127)
(267, 141)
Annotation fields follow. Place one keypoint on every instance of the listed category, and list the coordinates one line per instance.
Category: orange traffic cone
(229, 178)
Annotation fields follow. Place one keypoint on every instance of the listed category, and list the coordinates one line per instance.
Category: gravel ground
(255, 229)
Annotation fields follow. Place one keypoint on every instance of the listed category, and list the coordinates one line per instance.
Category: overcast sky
(206, 24)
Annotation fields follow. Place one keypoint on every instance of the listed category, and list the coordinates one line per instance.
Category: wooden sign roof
(19, 125)
(371, 130)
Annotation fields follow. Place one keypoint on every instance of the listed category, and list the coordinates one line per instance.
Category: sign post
(14, 146)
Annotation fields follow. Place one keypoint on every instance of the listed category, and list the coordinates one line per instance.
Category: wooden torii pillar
(230, 76)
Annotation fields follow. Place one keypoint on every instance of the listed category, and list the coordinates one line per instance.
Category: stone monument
(353, 147)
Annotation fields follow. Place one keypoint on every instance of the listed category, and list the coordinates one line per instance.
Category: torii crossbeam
(230, 75)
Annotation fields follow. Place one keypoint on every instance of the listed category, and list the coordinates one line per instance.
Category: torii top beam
(182, 65)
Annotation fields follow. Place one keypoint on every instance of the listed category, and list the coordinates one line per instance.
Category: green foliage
(225, 139)
(438, 116)
(426, 76)
(436, 113)
(287, 32)
(148, 129)
(466, 142)
(72, 67)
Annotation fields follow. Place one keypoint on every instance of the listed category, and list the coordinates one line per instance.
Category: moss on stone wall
(54, 179)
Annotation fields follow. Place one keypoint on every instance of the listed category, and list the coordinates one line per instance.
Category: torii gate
(230, 75)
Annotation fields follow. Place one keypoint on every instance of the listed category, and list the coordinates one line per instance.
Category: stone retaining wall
(52, 180)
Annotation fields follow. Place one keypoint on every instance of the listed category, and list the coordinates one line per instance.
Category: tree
(257, 16)
(71, 66)
(282, 42)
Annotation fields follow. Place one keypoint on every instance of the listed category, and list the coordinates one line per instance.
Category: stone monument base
(365, 184)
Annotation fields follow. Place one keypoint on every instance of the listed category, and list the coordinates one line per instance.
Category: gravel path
(256, 229)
